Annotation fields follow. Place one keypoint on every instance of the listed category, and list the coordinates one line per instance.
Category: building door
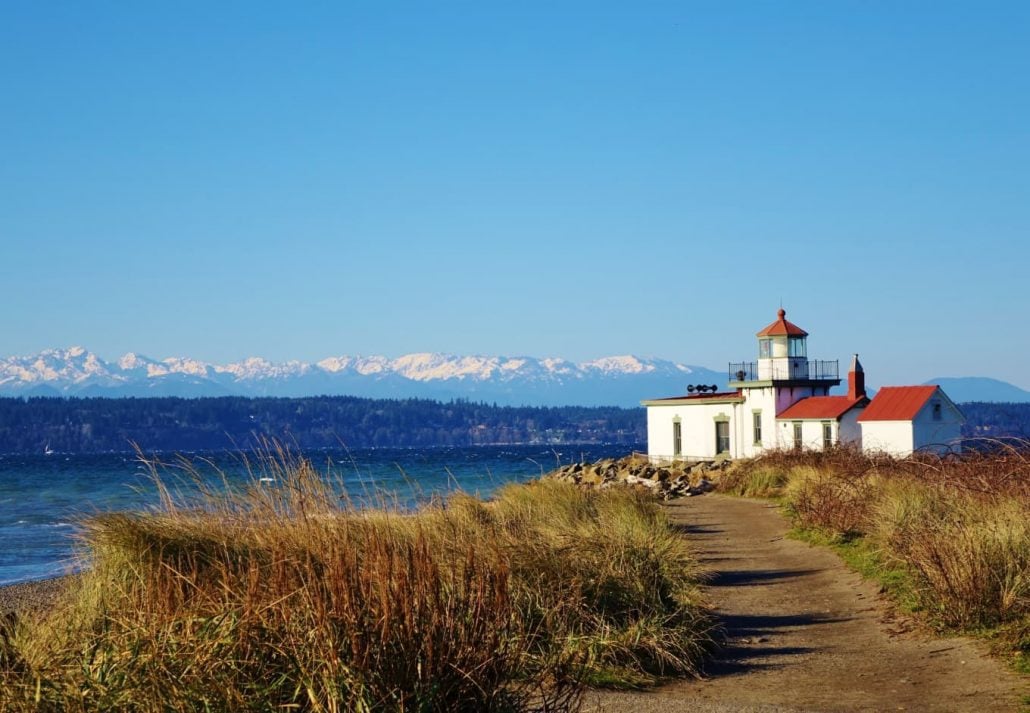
(722, 437)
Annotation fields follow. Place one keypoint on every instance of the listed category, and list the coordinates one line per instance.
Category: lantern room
(782, 356)
(782, 339)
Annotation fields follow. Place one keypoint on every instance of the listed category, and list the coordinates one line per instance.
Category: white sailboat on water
(47, 450)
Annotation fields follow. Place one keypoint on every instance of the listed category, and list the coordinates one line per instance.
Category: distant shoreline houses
(782, 401)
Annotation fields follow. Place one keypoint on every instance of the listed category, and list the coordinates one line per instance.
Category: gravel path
(804, 633)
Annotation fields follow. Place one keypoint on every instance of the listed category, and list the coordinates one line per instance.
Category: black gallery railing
(785, 369)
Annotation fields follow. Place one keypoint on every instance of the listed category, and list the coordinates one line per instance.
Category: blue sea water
(44, 497)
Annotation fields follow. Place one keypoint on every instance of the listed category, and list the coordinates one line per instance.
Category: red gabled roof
(897, 403)
(781, 327)
(820, 407)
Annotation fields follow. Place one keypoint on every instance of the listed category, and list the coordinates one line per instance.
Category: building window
(764, 348)
(827, 435)
(796, 346)
(798, 435)
(677, 438)
(722, 436)
(937, 411)
(757, 425)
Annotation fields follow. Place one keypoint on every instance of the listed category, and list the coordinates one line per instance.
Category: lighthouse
(742, 420)
(781, 400)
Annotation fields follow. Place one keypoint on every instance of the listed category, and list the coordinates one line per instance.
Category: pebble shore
(27, 596)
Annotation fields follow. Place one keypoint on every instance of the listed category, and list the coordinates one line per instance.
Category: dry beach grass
(283, 596)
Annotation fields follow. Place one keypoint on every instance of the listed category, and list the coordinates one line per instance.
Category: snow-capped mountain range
(615, 380)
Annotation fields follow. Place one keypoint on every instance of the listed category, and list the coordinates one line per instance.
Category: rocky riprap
(667, 481)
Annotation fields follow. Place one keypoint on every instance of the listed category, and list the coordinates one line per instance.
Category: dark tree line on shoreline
(94, 425)
(996, 420)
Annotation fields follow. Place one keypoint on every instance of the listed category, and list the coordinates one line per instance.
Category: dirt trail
(804, 633)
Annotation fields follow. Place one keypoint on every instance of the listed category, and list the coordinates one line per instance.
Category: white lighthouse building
(782, 400)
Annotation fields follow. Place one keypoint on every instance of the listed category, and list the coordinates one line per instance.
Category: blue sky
(295, 180)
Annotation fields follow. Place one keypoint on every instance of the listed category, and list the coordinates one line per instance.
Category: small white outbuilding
(782, 400)
(905, 419)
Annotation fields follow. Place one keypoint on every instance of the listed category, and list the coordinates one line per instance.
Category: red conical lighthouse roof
(782, 328)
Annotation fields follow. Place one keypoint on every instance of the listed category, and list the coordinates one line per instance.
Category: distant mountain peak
(622, 379)
(980, 388)
(334, 364)
(132, 360)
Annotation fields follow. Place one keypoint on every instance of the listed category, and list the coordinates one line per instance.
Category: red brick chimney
(856, 380)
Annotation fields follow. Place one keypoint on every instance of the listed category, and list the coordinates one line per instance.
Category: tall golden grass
(959, 525)
(283, 596)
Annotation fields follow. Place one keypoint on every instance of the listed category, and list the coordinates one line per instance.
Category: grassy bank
(282, 596)
(949, 538)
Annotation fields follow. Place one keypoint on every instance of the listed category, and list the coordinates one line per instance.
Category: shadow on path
(739, 626)
(751, 577)
(686, 529)
(743, 637)
(739, 660)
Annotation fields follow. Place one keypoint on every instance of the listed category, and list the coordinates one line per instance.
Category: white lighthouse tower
(782, 376)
